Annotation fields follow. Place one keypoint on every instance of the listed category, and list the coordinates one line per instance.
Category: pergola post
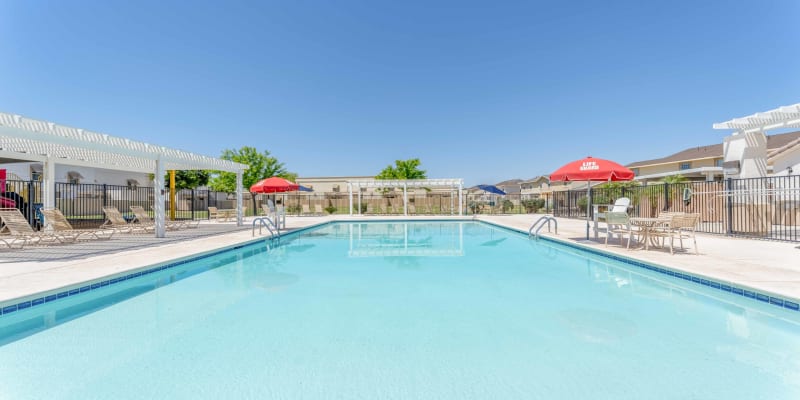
(350, 196)
(405, 198)
(49, 184)
(159, 198)
(359, 200)
(239, 213)
(460, 200)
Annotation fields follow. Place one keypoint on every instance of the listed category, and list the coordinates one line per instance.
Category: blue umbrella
(304, 189)
(491, 189)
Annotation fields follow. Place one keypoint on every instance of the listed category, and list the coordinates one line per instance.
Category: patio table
(647, 226)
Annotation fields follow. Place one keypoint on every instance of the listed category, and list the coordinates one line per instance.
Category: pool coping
(23, 302)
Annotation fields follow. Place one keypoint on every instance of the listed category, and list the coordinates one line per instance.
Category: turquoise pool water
(444, 310)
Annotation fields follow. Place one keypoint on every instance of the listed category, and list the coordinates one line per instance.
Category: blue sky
(486, 91)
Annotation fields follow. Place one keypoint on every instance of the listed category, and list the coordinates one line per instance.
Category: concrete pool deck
(767, 267)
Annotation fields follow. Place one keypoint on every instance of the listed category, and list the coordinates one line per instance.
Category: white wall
(788, 159)
(90, 175)
(750, 149)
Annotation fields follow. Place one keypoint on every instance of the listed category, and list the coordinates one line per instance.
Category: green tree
(403, 169)
(188, 179)
(261, 165)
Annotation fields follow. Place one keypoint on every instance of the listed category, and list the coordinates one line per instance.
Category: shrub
(330, 209)
(507, 205)
(532, 205)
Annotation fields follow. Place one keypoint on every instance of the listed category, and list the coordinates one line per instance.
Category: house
(534, 188)
(32, 171)
(785, 161)
(699, 163)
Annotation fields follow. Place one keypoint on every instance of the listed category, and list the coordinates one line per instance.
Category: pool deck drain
(768, 267)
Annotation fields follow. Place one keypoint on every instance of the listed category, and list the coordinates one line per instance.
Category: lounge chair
(213, 213)
(56, 220)
(16, 231)
(318, 209)
(306, 209)
(114, 219)
(143, 218)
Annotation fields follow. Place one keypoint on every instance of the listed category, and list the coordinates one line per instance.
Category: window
(635, 171)
(336, 188)
(719, 162)
(686, 165)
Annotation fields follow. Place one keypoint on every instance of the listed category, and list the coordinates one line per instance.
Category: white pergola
(25, 139)
(781, 117)
(454, 184)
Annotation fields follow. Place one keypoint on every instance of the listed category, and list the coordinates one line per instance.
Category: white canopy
(455, 184)
(25, 139)
(781, 117)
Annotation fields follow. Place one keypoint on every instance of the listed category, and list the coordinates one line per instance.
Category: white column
(405, 199)
(460, 200)
(49, 184)
(350, 196)
(158, 189)
(359, 200)
(239, 216)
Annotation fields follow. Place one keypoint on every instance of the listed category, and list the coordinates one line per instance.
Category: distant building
(700, 163)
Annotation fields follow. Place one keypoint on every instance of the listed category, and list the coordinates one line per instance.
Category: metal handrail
(539, 224)
(266, 222)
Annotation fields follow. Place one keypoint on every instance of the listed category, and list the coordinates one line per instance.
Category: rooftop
(714, 150)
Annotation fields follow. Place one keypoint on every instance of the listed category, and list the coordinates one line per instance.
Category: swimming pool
(434, 310)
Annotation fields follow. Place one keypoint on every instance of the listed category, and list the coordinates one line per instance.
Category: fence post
(31, 194)
(105, 196)
(729, 204)
(192, 207)
(666, 196)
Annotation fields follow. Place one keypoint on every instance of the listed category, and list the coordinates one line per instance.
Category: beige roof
(715, 150)
(791, 145)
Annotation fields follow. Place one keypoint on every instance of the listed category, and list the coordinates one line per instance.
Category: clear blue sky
(486, 91)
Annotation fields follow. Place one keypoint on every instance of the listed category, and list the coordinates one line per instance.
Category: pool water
(439, 310)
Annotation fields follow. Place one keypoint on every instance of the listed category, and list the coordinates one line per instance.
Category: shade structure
(491, 189)
(591, 169)
(274, 185)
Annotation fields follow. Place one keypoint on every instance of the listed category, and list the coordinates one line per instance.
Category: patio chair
(114, 219)
(56, 220)
(17, 231)
(679, 226)
(619, 223)
(143, 218)
(213, 213)
(318, 209)
(306, 209)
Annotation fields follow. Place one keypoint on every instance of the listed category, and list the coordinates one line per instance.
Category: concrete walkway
(768, 267)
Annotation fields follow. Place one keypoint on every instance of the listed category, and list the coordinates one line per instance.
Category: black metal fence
(764, 208)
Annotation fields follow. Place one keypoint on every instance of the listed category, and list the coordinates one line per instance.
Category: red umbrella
(274, 185)
(591, 169)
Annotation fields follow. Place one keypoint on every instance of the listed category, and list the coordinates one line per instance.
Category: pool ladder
(539, 224)
(266, 222)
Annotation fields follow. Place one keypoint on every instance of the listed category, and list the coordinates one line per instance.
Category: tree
(403, 169)
(188, 179)
(261, 165)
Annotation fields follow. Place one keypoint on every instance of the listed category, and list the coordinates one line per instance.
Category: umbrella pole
(588, 206)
